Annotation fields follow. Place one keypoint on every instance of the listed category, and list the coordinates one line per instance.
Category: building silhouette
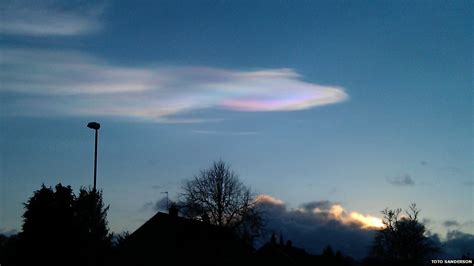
(168, 238)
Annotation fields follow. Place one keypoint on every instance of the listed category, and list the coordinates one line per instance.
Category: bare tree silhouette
(217, 196)
(403, 240)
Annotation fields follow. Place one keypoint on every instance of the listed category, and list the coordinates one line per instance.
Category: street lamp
(95, 126)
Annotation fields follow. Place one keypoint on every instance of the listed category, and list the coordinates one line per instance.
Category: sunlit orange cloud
(262, 198)
(367, 221)
(337, 212)
(334, 212)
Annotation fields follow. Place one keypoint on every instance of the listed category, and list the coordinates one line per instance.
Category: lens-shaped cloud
(67, 82)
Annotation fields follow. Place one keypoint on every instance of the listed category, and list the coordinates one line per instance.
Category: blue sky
(364, 104)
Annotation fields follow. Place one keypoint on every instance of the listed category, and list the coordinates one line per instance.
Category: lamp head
(93, 125)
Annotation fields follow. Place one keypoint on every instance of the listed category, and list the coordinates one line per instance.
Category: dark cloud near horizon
(456, 245)
(451, 223)
(468, 223)
(314, 232)
(405, 180)
(159, 205)
(458, 224)
(8, 232)
(426, 221)
(323, 204)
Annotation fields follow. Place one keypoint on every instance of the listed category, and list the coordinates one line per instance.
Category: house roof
(185, 241)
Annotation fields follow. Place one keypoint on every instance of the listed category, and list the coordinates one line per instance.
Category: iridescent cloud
(73, 83)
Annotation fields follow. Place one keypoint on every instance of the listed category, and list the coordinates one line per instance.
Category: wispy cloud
(226, 133)
(180, 120)
(405, 180)
(451, 223)
(469, 224)
(49, 72)
(73, 83)
(49, 18)
(159, 205)
(468, 183)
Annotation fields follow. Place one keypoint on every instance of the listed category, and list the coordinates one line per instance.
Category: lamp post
(95, 126)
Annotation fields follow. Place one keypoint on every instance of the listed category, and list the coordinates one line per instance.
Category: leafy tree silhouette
(91, 216)
(217, 196)
(58, 226)
(121, 240)
(9, 249)
(48, 232)
(328, 257)
(403, 240)
(328, 252)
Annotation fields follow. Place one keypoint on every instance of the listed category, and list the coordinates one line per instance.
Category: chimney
(273, 239)
(173, 210)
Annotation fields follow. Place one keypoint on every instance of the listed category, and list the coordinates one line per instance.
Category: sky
(364, 105)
